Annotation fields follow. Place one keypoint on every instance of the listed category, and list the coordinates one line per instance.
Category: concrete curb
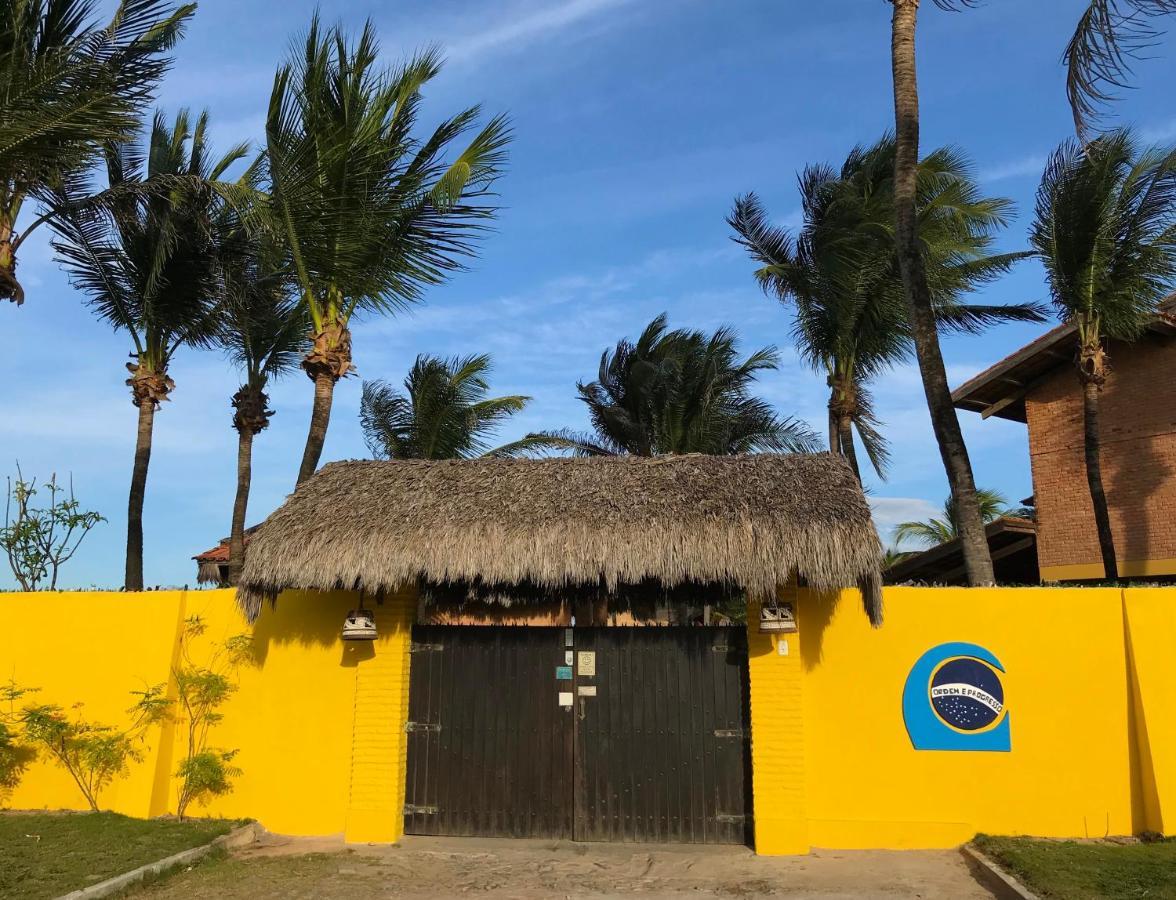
(1003, 885)
(238, 837)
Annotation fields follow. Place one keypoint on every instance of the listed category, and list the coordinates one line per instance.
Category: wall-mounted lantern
(776, 616)
(360, 625)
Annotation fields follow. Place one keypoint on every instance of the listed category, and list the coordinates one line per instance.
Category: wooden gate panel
(489, 748)
(662, 746)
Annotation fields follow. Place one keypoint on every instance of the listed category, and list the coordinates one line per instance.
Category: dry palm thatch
(756, 520)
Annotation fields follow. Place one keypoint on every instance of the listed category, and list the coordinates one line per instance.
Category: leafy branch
(39, 541)
(93, 753)
(201, 690)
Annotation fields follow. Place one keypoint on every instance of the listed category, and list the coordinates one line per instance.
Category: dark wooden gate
(661, 748)
(648, 742)
(489, 748)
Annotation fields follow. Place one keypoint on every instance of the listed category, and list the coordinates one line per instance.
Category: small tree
(93, 753)
(201, 690)
(14, 755)
(39, 541)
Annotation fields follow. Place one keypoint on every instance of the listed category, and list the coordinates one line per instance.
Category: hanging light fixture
(776, 616)
(360, 625)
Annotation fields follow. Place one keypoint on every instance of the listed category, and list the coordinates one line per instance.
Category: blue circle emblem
(967, 694)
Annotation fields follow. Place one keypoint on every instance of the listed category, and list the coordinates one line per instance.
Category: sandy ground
(528, 870)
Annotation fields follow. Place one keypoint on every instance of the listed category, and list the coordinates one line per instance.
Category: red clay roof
(218, 554)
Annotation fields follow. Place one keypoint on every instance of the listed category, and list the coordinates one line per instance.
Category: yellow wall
(319, 724)
(301, 718)
(1076, 765)
(95, 648)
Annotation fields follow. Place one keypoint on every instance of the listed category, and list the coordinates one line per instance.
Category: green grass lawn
(50, 854)
(1087, 871)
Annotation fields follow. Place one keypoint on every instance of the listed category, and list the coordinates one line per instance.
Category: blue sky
(637, 122)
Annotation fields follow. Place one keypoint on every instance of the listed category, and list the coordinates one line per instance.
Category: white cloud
(889, 511)
(1025, 166)
(544, 22)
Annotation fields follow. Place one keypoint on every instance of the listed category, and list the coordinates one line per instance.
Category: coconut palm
(68, 85)
(444, 413)
(679, 392)
(918, 294)
(372, 213)
(933, 532)
(1109, 36)
(263, 328)
(149, 265)
(1105, 230)
(841, 276)
(892, 556)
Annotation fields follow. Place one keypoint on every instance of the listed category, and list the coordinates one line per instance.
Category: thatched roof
(756, 520)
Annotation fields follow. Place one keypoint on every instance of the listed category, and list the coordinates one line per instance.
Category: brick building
(1038, 385)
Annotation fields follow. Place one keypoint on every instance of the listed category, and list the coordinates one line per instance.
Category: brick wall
(379, 744)
(1138, 427)
(777, 737)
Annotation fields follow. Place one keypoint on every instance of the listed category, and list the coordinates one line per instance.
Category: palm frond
(1108, 38)
(1104, 225)
(373, 214)
(147, 256)
(443, 413)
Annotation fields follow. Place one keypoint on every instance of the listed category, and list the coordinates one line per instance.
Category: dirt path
(529, 870)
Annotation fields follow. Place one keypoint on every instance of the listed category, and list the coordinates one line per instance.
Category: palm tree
(1105, 230)
(149, 265)
(679, 392)
(1109, 36)
(933, 532)
(444, 413)
(263, 329)
(372, 214)
(892, 556)
(841, 274)
(918, 294)
(67, 87)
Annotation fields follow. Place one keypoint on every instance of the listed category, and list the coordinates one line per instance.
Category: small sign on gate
(587, 662)
(563, 673)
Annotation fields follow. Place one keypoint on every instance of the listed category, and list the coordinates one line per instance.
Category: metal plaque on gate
(586, 662)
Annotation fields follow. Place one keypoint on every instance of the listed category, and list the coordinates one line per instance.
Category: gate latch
(727, 648)
(728, 732)
(422, 726)
(424, 648)
(729, 819)
(413, 810)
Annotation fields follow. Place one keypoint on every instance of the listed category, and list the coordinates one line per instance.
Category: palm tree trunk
(1098, 496)
(834, 436)
(977, 559)
(134, 572)
(328, 360)
(240, 504)
(320, 418)
(845, 438)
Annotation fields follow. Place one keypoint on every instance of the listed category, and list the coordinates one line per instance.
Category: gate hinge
(412, 810)
(424, 648)
(729, 732)
(422, 726)
(730, 819)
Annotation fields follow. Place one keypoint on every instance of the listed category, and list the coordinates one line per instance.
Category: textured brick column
(777, 737)
(375, 811)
